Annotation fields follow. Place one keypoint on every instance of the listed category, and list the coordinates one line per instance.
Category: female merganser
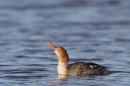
(78, 68)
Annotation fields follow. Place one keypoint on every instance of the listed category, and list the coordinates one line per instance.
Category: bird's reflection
(62, 77)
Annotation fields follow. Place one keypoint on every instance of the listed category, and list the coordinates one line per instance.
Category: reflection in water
(62, 77)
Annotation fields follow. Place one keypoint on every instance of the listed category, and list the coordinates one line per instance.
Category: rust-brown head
(60, 52)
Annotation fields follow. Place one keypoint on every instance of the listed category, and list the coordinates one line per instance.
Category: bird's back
(81, 68)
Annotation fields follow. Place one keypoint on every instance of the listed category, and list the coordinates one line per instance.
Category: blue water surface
(90, 30)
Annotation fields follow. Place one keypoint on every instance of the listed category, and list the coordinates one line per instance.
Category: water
(91, 31)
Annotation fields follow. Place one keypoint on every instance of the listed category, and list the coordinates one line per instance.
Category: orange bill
(52, 46)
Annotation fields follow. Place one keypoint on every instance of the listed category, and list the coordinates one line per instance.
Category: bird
(77, 68)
